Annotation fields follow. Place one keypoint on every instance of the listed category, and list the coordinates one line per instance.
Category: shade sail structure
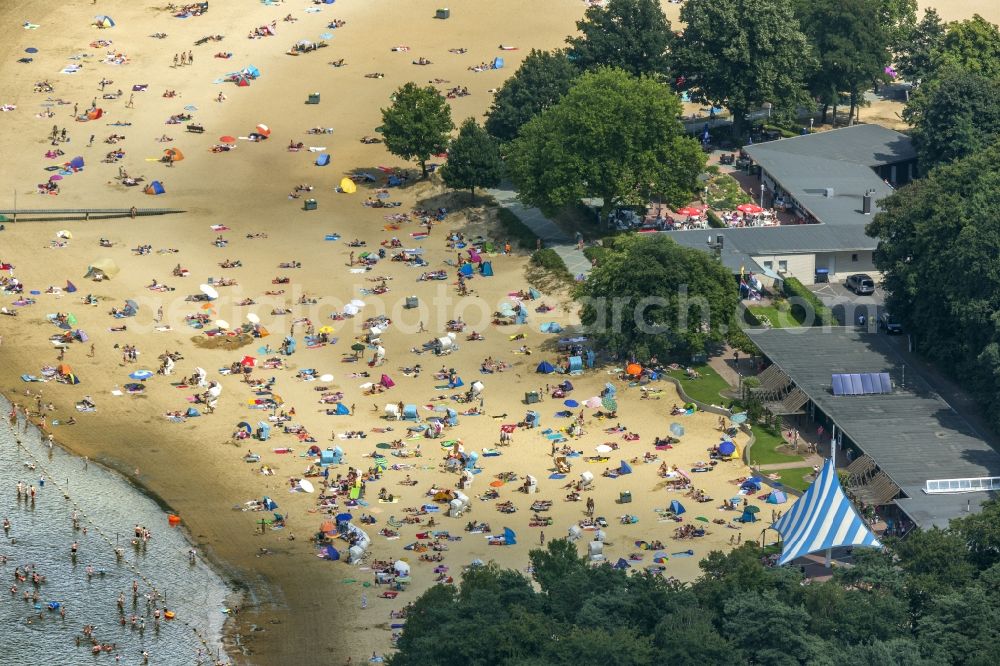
(822, 518)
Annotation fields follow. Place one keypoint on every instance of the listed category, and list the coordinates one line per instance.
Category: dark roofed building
(910, 434)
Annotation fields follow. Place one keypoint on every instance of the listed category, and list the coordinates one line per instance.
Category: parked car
(888, 324)
(861, 284)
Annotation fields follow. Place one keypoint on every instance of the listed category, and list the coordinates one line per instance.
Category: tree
(742, 53)
(652, 297)
(973, 44)
(897, 19)
(851, 44)
(473, 160)
(953, 115)
(981, 532)
(633, 35)
(417, 124)
(933, 235)
(541, 80)
(915, 60)
(613, 136)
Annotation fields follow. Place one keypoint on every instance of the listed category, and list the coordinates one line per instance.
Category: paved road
(552, 236)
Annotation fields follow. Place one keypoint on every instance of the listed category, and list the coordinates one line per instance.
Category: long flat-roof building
(823, 178)
(918, 453)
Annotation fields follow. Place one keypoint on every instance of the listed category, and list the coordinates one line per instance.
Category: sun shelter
(173, 155)
(456, 382)
(624, 468)
(677, 508)
(331, 456)
(497, 63)
(776, 497)
(392, 412)
(102, 269)
(245, 427)
(575, 365)
(347, 186)
(752, 484)
(386, 381)
(341, 410)
(545, 368)
(486, 269)
(410, 413)
(551, 327)
(466, 270)
(103, 21)
(822, 519)
(323, 159)
(155, 188)
(263, 431)
(444, 345)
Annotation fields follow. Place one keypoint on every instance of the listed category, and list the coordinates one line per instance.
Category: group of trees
(927, 600)
(938, 238)
(649, 296)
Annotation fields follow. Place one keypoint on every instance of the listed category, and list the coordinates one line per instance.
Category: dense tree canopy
(473, 160)
(538, 83)
(417, 124)
(954, 114)
(938, 241)
(850, 42)
(742, 53)
(633, 35)
(613, 136)
(916, 59)
(651, 297)
(740, 611)
(973, 44)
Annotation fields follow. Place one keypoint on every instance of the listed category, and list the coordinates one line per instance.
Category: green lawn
(776, 317)
(793, 477)
(763, 451)
(706, 388)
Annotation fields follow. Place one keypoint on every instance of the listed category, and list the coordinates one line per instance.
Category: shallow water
(109, 507)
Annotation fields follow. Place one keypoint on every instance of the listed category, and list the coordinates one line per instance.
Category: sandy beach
(297, 603)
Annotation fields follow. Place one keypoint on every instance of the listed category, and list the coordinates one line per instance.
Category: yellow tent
(102, 268)
(347, 186)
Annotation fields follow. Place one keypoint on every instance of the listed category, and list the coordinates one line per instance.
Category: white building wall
(799, 266)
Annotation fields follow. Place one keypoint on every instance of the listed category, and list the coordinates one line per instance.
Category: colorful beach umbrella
(227, 139)
(609, 404)
(141, 375)
(571, 403)
(31, 49)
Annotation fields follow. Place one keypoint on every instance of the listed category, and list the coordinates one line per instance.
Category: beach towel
(557, 477)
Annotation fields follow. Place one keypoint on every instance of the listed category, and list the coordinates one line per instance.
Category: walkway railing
(36, 214)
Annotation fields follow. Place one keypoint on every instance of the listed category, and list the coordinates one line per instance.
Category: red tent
(386, 381)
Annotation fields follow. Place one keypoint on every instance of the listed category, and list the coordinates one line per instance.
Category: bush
(714, 220)
(516, 231)
(821, 314)
(549, 260)
(596, 253)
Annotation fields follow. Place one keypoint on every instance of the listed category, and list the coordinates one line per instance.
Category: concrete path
(552, 236)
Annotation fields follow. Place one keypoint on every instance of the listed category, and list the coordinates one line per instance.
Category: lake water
(109, 507)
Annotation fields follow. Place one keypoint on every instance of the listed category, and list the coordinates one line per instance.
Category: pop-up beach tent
(676, 507)
(545, 368)
(342, 409)
(102, 269)
(625, 468)
(347, 186)
(156, 187)
(103, 21)
(776, 497)
(322, 159)
(486, 269)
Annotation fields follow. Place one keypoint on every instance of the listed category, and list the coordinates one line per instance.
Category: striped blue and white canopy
(822, 518)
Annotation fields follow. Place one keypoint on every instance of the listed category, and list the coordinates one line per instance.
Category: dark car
(888, 324)
(861, 284)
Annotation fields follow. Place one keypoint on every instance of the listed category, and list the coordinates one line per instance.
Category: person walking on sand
(131, 101)
(175, 60)
(190, 57)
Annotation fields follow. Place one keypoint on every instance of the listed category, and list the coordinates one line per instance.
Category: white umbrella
(375, 331)
(401, 568)
(64, 234)
(306, 485)
(603, 448)
(222, 323)
(478, 386)
(351, 310)
(253, 319)
(380, 351)
(209, 291)
(366, 386)
(215, 391)
(326, 378)
(358, 303)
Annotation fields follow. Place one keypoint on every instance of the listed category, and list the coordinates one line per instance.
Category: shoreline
(209, 638)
